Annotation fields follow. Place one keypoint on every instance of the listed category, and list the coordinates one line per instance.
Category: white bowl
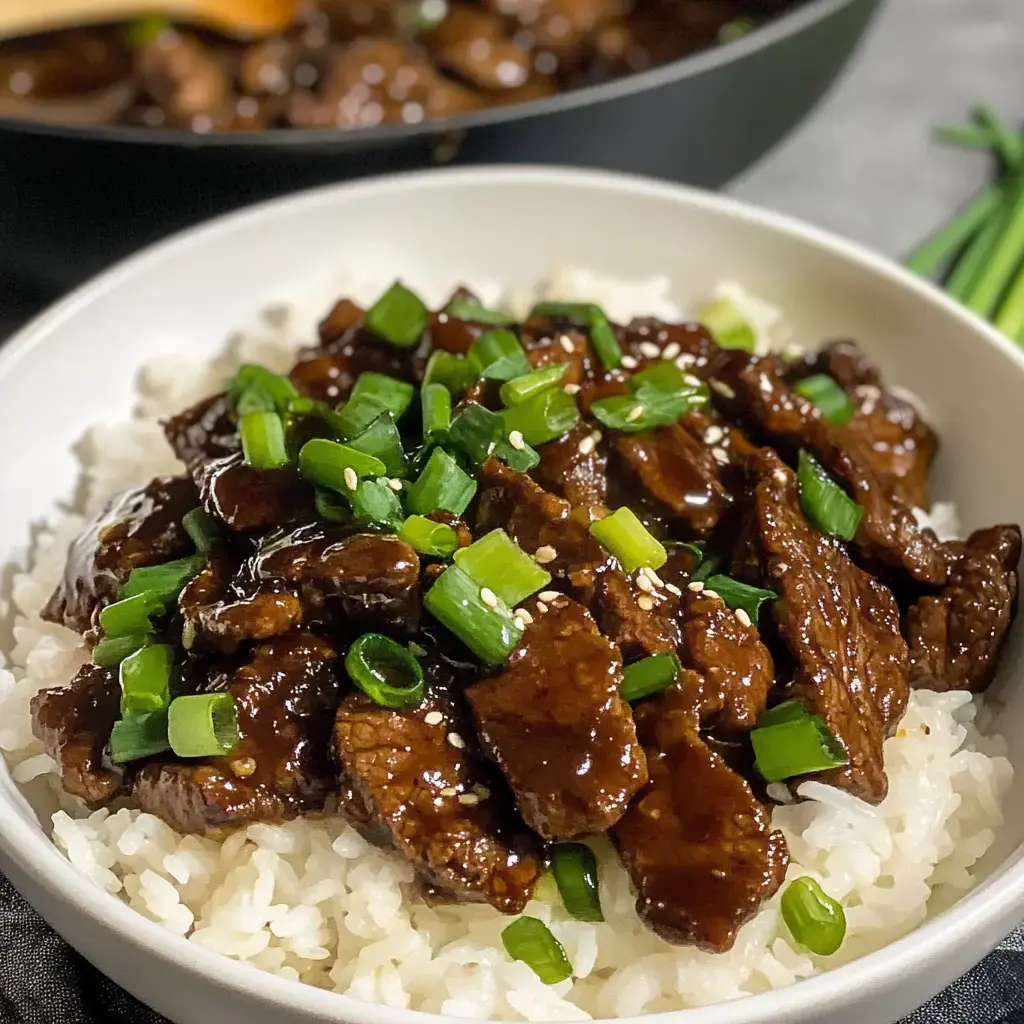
(76, 365)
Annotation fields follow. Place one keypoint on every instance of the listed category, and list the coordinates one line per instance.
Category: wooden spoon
(233, 17)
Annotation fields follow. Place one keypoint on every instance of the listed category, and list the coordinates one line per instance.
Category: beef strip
(139, 527)
(697, 844)
(286, 695)
(840, 625)
(553, 721)
(648, 340)
(636, 631)
(956, 636)
(254, 499)
(74, 723)
(207, 430)
(420, 781)
(342, 318)
(574, 466)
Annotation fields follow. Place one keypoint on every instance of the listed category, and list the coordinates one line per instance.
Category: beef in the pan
(956, 636)
(249, 499)
(646, 340)
(574, 466)
(74, 723)
(638, 621)
(553, 721)
(839, 624)
(286, 693)
(205, 431)
(697, 844)
(138, 528)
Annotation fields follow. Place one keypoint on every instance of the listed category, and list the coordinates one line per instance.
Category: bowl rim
(790, 23)
(35, 854)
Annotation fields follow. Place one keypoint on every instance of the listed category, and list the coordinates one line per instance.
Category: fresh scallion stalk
(728, 326)
(437, 540)
(969, 135)
(499, 563)
(575, 869)
(398, 316)
(542, 418)
(395, 395)
(967, 270)
(254, 388)
(936, 250)
(263, 442)
(337, 466)
(1008, 143)
(520, 389)
(813, 918)
(163, 581)
(443, 484)
(112, 650)
(739, 595)
(145, 678)
(202, 724)
(530, 940)
(385, 671)
(1010, 315)
(628, 540)
(466, 309)
(1003, 262)
(824, 502)
(649, 676)
(143, 736)
(436, 405)
(132, 615)
(498, 355)
(382, 440)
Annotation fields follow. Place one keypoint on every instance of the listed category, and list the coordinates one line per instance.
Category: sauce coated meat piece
(697, 844)
(286, 695)
(139, 527)
(419, 780)
(636, 631)
(955, 637)
(840, 625)
(575, 466)
(553, 721)
(254, 499)
(74, 723)
(207, 430)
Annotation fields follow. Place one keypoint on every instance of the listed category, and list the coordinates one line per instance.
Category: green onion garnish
(202, 725)
(376, 502)
(398, 316)
(382, 440)
(660, 395)
(132, 615)
(542, 418)
(146, 680)
(606, 345)
(649, 676)
(824, 502)
(479, 618)
(795, 746)
(828, 396)
(263, 443)
(739, 595)
(787, 711)
(438, 540)
(329, 464)
(628, 540)
(202, 529)
(140, 32)
(443, 484)
(475, 431)
(352, 418)
(164, 581)
(520, 457)
(456, 373)
(436, 403)
(112, 650)
(337, 424)
(575, 869)
(330, 505)
(385, 671)
(497, 562)
(464, 309)
(498, 355)
(142, 736)
(395, 395)
(255, 389)
(727, 325)
(709, 564)
(530, 940)
(813, 918)
(520, 389)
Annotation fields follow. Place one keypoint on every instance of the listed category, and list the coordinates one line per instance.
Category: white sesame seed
(566, 342)
(673, 589)
(742, 617)
(685, 361)
(779, 476)
(587, 446)
(522, 616)
(449, 791)
(629, 362)
(515, 438)
(469, 799)
(644, 583)
(635, 413)
(710, 593)
(596, 435)
(723, 389)
(571, 389)
(696, 586)
(713, 434)
(488, 597)
(868, 391)
(781, 567)
(652, 576)
(646, 602)
(671, 350)
(456, 740)
(481, 791)
(649, 350)
(720, 456)
(351, 478)
(549, 595)
(544, 554)
(541, 607)
(433, 718)
(395, 484)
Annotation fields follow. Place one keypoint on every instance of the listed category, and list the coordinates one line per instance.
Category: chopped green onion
(376, 502)
(112, 650)
(628, 540)
(438, 540)
(542, 418)
(828, 396)
(575, 869)
(787, 711)
(255, 389)
(352, 418)
(521, 459)
(202, 529)
(475, 431)
(382, 440)
(146, 680)
(398, 316)
(519, 389)
(530, 940)
(740, 595)
(263, 444)
(500, 564)
(329, 464)
(498, 355)
(632, 414)
(813, 918)
(443, 484)
(140, 32)
(202, 724)
(728, 326)
(800, 746)
(436, 403)
(458, 602)
(649, 676)
(602, 336)
(664, 375)
(334, 420)
(709, 564)
(130, 615)
(456, 373)
(385, 671)
(466, 309)
(143, 736)
(395, 395)
(824, 502)
(330, 505)
(164, 581)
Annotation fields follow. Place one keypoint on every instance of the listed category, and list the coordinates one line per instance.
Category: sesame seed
(629, 362)
(544, 554)
(571, 389)
(655, 813)
(720, 456)
(587, 446)
(868, 391)
(481, 791)
(523, 616)
(671, 350)
(710, 593)
(779, 476)
(395, 484)
(449, 791)
(713, 434)
(351, 478)
(685, 361)
(243, 767)
(515, 438)
(541, 607)
(596, 435)
(646, 602)
(566, 342)
(649, 350)
(549, 595)
(673, 589)
(456, 740)
(781, 567)
(742, 617)
(696, 586)
(723, 389)
(469, 799)
(692, 380)
(644, 584)
(652, 576)
(488, 597)
(433, 718)
(635, 413)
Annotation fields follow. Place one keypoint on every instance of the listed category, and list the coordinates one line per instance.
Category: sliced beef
(139, 527)
(286, 694)
(840, 626)
(636, 630)
(74, 723)
(552, 340)
(553, 721)
(956, 636)
(342, 318)
(575, 465)
(452, 333)
(421, 782)
(648, 340)
(208, 430)
(254, 499)
(697, 844)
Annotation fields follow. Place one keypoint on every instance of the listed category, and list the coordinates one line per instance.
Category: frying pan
(78, 197)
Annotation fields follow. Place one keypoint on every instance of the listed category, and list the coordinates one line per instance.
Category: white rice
(310, 900)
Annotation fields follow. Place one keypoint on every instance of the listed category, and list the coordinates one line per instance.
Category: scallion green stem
(969, 266)
(385, 671)
(202, 724)
(969, 135)
(497, 562)
(1009, 143)
(936, 250)
(1010, 316)
(1005, 256)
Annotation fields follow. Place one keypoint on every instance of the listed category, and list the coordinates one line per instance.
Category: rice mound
(310, 900)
